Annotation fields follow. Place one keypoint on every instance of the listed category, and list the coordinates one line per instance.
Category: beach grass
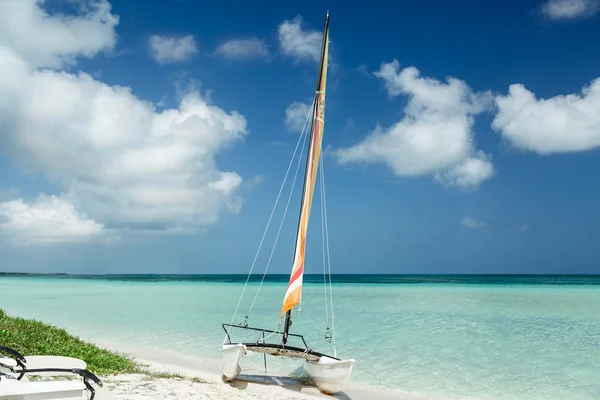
(172, 375)
(31, 337)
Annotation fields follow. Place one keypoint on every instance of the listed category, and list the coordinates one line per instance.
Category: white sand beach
(209, 384)
(142, 387)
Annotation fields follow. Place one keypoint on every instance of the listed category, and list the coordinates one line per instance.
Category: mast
(294, 290)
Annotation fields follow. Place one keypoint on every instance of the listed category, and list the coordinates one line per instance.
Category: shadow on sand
(296, 384)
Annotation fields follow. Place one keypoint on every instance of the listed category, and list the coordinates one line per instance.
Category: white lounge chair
(42, 362)
(12, 389)
(14, 384)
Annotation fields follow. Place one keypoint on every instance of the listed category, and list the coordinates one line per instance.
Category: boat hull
(328, 374)
(231, 357)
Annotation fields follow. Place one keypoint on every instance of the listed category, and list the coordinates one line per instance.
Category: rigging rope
(329, 335)
(328, 261)
(269, 221)
(323, 240)
(322, 330)
(250, 335)
(286, 209)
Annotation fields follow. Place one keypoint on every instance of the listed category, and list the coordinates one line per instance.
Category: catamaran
(328, 372)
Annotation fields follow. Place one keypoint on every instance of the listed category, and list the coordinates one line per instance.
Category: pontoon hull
(231, 358)
(328, 374)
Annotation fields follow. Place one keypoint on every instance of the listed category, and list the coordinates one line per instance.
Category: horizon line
(286, 274)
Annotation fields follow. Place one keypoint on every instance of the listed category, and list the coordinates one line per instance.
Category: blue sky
(155, 138)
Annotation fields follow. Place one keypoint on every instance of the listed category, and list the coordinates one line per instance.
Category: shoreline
(134, 387)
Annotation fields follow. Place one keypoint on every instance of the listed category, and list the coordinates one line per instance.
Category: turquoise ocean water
(476, 337)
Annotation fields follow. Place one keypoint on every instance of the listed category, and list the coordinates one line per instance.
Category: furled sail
(294, 290)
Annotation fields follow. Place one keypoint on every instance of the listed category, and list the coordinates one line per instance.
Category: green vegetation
(31, 337)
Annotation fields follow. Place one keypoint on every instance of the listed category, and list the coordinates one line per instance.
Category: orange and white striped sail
(294, 290)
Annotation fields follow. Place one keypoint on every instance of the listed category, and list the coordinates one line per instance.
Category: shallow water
(532, 339)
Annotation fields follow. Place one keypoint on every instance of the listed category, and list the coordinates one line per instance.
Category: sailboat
(328, 372)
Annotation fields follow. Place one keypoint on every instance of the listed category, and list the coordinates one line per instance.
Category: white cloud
(40, 40)
(296, 42)
(254, 182)
(166, 49)
(559, 124)
(244, 48)
(295, 115)
(434, 137)
(570, 9)
(115, 156)
(469, 173)
(47, 220)
(472, 223)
